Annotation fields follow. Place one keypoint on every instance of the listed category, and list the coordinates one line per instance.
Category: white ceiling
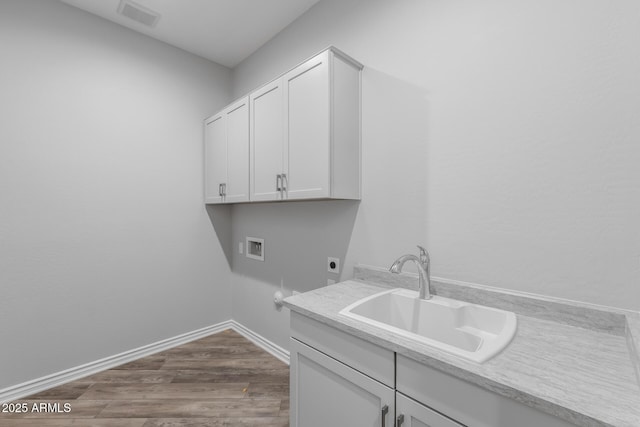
(224, 31)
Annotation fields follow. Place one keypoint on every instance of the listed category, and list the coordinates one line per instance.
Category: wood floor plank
(218, 422)
(124, 376)
(71, 390)
(284, 407)
(105, 422)
(229, 408)
(199, 391)
(217, 352)
(268, 390)
(219, 380)
(155, 361)
(221, 364)
(239, 375)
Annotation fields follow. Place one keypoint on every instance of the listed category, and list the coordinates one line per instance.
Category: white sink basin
(471, 331)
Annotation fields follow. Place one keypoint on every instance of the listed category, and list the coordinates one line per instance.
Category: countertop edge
(633, 340)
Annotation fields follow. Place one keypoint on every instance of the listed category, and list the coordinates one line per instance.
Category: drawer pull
(385, 411)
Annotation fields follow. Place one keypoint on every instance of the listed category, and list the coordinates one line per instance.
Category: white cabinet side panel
(215, 158)
(346, 128)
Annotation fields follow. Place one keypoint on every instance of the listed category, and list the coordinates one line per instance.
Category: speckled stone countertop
(582, 370)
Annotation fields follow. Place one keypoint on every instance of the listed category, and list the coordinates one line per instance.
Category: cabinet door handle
(285, 184)
(278, 179)
(224, 188)
(399, 420)
(220, 190)
(385, 410)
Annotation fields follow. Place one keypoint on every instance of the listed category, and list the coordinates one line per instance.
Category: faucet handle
(424, 255)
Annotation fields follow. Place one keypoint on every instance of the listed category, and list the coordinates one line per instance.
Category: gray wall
(502, 135)
(105, 244)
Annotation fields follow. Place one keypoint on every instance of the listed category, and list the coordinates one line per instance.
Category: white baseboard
(37, 385)
(274, 349)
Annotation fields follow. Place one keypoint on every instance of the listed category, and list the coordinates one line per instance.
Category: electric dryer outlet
(333, 265)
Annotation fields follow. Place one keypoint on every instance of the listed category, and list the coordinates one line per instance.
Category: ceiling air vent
(138, 13)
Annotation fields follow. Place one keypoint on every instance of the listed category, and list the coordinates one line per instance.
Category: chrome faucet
(424, 270)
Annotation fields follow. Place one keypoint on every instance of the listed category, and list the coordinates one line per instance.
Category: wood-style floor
(220, 380)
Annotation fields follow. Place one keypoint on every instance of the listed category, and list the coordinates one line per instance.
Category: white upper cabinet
(307, 166)
(267, 136)
(226, 153)
(304, 133)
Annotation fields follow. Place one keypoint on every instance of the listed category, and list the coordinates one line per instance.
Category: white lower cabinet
(338, 379)
(467, 403)
(410, 413)
(325, 392)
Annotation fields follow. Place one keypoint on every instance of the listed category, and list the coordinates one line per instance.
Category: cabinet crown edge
(344, 56)
(337, 52)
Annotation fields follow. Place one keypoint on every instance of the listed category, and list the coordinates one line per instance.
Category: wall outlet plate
(333, 265)
(255, 248)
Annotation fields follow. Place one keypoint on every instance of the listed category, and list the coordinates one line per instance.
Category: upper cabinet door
(307, 150)
(215, 158)
(267, 140)
(237, 124)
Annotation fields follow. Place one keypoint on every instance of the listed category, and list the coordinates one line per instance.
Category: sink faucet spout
(424, 270)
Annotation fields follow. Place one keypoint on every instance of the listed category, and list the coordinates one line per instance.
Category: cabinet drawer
(466, 402)
(370, 359)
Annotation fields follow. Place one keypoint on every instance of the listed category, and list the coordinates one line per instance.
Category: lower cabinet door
(325, 392)
(410, 413)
